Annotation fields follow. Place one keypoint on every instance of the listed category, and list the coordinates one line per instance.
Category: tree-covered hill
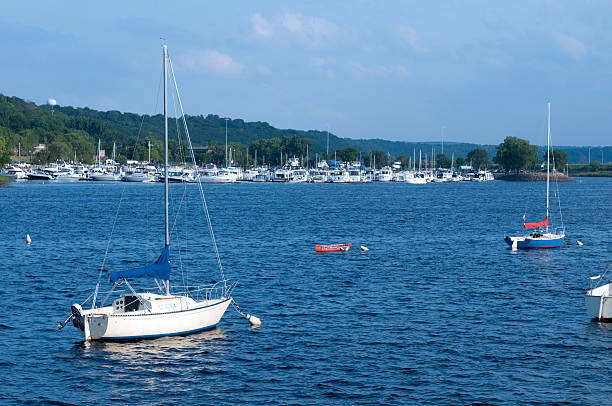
(68, 131)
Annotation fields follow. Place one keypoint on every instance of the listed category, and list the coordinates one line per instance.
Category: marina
(291, 172)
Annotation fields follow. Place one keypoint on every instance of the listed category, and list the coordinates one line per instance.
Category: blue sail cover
(160, 269)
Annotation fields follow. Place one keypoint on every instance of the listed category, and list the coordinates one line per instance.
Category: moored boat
(332, 247)
(147, 314)
(541, 237)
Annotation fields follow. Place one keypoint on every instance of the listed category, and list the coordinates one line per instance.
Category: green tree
(294, 146)
(558, 159)
(479, 158)
(442, 161)
(377, 158)
(347, 154)
(268, 150)
(515, 154)
(460, 162)
(5, 156)
(405, 161)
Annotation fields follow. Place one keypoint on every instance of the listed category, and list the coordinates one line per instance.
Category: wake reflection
(137, 369)
(168, 348)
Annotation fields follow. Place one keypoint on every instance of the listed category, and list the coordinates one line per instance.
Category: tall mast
(547, 165)
(167, 234)
(226, 164)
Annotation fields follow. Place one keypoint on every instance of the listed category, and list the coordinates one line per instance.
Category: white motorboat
(298, 176)
(385, 175)
(224, 175)
(317, 176)
(40, 175)
(14, 172)
(415, 178)
(105, 176)
(281, 175)
(443, 177)
(598, 298)
(355, 175)
(139, 175)
(483, 176)
(136, 315)
(262, 176)
(339, 176)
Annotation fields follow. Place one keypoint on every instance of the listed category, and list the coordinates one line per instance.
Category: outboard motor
(77, 310)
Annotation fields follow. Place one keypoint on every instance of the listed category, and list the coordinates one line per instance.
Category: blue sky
(474, 71)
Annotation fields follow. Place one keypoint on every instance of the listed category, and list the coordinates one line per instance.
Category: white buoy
(255, 321)
(28, 239)
(580, 244)
(364, 248)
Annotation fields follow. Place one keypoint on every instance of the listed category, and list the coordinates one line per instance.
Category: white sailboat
(136, 315)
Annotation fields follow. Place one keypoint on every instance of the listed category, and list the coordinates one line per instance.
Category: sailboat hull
(140, 325)
(542, 241)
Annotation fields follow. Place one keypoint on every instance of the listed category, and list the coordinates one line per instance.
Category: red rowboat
(332, 248)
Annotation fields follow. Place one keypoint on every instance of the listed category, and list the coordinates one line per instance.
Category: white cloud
(321, 61)
(312, 31)
(211, 61)
(359, 70)
(571, 46)
(261, 27)
(411, 37)
(263, 70)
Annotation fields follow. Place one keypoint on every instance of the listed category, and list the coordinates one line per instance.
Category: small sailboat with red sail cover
(540, 236)
(332, 247)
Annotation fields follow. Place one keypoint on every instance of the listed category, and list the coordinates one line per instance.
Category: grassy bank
(534, 177)
(599, 174)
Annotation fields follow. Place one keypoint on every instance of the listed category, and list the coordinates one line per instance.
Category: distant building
(207, 149)
(102, 155)
(39, 148)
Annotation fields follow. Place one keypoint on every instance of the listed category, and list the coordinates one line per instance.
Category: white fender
(255, 321)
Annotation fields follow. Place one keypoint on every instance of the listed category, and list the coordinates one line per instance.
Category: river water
(439, 311)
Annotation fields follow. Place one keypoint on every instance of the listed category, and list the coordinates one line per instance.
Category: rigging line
(109, 293)
(552, 153)
(110, 238)
(203, 198)
(182, 205)
(95, 294)
(178, 133)
(175, 232)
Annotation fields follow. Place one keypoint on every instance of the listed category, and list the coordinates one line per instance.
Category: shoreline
(534, 177)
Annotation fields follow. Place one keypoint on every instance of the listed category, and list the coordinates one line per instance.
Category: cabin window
(132, 304)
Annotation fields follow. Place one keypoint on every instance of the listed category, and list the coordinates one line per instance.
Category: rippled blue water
(439, 311)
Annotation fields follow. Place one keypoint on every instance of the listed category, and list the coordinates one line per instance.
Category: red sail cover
(543, 223)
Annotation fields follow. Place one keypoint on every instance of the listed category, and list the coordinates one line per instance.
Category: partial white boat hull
(98, 324)
(599, 302)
